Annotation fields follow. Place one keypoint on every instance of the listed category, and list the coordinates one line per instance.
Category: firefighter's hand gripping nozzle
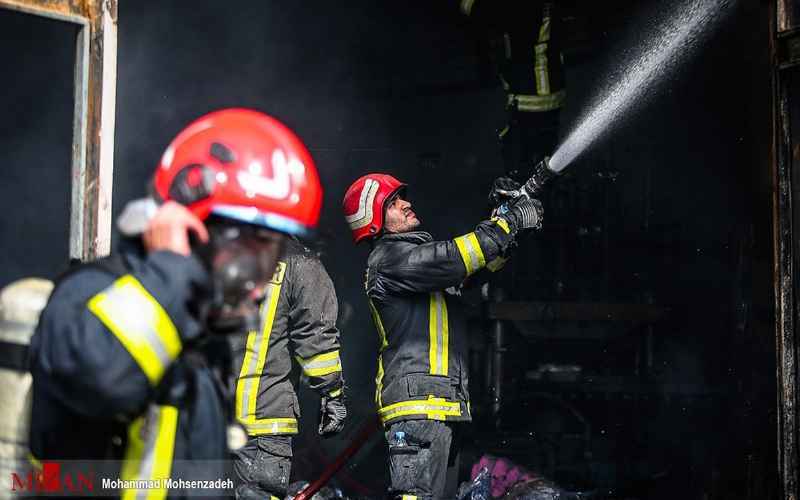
(520, 202)
(542, 173)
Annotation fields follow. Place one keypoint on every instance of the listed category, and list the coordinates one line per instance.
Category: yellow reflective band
(269, 426)
(384, 343)
(280, 271)
(471, 253)
(321, 365)
(243, 380)
(408, 497)
(379, 382)
(537, 103)
(438, 330)
(466, 6)
(462, 249)
(434, 349)
(445, 336)
(503, 81)
(475, 250)
(148, 457)
(544, 30)
(321, 372)
(35, 463)
(254, 359)
(432, 408)
(503, 224)
(337, 392)
(378, 325)
(503, 132)
(139, 322)
(540, 69)
(497, 264)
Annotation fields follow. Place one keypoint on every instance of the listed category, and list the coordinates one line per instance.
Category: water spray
(669, 44)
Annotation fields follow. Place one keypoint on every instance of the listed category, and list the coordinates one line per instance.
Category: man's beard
(409, 226)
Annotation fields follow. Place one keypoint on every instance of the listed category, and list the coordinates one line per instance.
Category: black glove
(526, 213)
(500, 191)
(332, 414)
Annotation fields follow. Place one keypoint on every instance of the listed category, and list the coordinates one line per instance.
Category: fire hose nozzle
(542, 173)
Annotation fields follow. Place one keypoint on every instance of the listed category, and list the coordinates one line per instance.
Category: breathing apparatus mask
(241, 260)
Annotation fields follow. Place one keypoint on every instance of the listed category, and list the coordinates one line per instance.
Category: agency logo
(52, 479)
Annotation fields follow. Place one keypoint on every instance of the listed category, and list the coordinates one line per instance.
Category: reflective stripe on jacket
(422, 371)
(297, 335)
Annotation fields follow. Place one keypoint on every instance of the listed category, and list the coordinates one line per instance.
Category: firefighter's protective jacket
(117, 372)
(422, 371)
(297, 333)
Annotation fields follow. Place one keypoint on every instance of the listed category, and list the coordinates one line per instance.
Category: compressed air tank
(21, 302)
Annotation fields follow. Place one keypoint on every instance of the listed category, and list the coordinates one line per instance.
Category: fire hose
(362, 437)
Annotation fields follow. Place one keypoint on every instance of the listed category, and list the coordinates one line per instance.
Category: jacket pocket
(422, 384)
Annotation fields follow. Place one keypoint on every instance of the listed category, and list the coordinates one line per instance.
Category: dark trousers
(262, 467)
(419, 468)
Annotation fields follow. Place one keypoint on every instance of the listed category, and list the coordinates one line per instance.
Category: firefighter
(298, 321)
(422, 374)
(525, 43)
(123, 358)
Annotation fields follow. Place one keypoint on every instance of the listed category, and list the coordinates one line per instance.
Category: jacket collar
(416, 237)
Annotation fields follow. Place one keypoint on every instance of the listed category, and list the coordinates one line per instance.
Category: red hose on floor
(362, 437)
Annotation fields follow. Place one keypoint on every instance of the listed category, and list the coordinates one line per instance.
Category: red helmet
(364, 202)
(244, 165)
